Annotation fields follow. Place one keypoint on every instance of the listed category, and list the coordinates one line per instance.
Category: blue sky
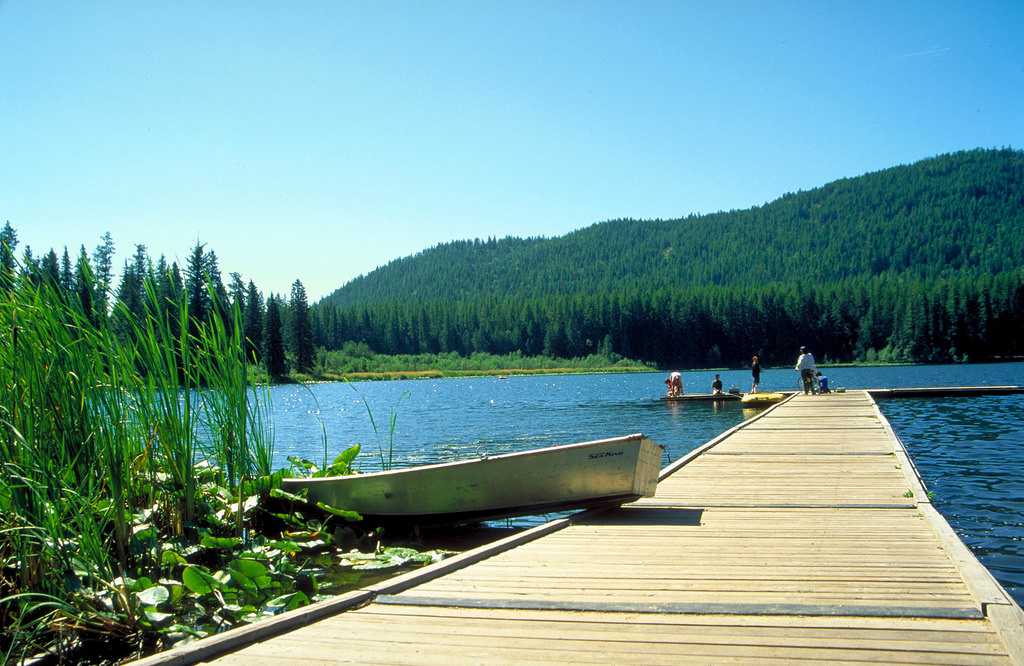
(319, 141)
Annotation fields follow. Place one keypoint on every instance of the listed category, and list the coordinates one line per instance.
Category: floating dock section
(803, 534)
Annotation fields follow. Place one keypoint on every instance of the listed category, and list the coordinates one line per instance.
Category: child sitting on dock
(716, 386)
(822, 383)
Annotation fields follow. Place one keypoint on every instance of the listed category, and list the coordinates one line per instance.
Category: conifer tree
(273, 351)
(85, 287)
(199, 304)
(51, 269)
(103, 275)
(67, 275)
(253, 324)
(220, 303)
(30, 266)
(301, 331)
(8, 245)
(236, 289)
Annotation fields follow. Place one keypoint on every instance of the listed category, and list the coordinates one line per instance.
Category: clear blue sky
(319, 141)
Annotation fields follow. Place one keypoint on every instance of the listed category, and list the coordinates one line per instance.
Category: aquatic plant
(137, 502)
(386, 453)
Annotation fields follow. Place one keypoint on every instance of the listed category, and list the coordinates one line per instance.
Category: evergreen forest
(922, 262)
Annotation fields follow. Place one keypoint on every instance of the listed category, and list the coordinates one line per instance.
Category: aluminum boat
(603, 472)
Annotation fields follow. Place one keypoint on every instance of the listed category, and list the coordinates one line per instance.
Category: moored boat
(602, 472)
(757, 399)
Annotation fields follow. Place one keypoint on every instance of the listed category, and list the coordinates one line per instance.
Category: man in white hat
(805, 366)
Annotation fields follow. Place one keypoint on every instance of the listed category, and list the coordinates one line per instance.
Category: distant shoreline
(392, 375)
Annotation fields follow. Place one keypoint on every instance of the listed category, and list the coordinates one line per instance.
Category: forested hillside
(937, 217)
(921, 262)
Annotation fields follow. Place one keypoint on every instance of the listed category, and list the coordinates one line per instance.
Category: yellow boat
(759, 399)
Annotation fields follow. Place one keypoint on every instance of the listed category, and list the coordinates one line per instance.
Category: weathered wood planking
(380, 634)
(769, 545)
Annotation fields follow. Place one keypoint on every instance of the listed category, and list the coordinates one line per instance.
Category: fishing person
(716, 386)
(805, 366)
(755, 372)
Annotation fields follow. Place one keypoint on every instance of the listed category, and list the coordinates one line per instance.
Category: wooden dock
(803, 534)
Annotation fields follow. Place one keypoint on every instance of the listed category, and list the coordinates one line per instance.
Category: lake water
(970, 451)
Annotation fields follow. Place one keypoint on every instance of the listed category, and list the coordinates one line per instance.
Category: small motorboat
(762, 399)
(603, 472)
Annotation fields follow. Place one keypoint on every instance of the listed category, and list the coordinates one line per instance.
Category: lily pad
(154, 596)
(286, 602)
(198, 580)
(155, 616)
(250, 568)
(209, 541)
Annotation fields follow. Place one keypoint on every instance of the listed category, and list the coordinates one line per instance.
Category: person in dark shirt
(755, 372)
(716, 386)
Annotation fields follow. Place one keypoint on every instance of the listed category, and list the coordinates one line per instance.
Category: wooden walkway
(803, 534)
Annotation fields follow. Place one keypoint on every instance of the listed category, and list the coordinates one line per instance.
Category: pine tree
(221, 305)
(103, 275)
(30, 266)
(8, 245)
(85, 287)
(301, 332)
(127, 306)
(273, 351)
(253, 324)
(199, 304)
(67, 275)
(51, 269)
(236, 289)
(131, 293)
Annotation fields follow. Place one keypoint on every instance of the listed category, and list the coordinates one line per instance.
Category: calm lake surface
(970, 451)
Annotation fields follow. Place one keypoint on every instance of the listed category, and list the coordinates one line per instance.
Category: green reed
(100, 434)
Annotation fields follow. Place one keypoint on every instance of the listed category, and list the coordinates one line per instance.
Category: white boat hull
(575, 475)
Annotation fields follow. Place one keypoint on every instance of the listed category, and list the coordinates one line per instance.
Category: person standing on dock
(805, 366)
(755, 372)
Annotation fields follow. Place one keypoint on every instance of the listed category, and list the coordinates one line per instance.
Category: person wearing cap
(805, 366)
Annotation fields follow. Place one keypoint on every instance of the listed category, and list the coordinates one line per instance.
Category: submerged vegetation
(138, 504)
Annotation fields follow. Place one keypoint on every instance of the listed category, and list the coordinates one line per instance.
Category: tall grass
(99, 440)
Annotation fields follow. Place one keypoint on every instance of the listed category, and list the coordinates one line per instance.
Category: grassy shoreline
(389, 375)
(439, 373)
